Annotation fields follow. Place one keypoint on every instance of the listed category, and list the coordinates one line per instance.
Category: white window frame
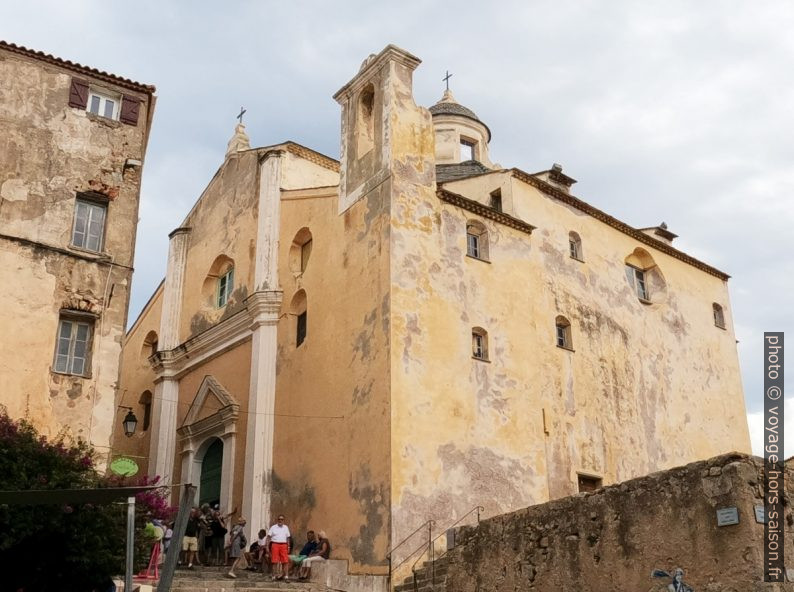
(473, 245)
(67, 347)
(225, 287)
(477, 238)
(90, 208)
(575, 246)
(102, 97)
(563, 335)
(479, 345)
(639, 282)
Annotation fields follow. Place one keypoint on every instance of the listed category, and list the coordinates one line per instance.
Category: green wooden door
(210, 489)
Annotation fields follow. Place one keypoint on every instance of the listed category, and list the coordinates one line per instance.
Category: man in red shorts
(279, 539)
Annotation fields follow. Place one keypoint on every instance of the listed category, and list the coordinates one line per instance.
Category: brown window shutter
(78, 93)
(129, 110)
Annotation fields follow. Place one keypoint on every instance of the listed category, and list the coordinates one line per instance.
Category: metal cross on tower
(240, 116)
(446, 78)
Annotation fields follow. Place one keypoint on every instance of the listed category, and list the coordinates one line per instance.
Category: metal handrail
(429, 545)
(427, 523)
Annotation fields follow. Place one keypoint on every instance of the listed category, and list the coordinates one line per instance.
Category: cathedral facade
(412, 331)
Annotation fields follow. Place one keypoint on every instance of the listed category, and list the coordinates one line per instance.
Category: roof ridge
(107, 76)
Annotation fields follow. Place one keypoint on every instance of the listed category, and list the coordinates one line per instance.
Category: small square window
(73, 347)
(589, 483)
(466, 150)
(496, 200)
(103, 104)
(225, 286)
(301, 329)
(89, 224)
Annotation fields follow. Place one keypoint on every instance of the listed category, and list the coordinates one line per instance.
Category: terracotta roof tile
(93, 72)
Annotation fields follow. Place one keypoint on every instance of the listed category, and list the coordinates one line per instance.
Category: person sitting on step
(321, 553)
(308, 549)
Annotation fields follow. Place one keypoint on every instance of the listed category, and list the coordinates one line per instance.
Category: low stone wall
(612, 539)
(335, 575)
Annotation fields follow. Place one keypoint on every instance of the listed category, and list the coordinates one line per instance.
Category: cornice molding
(615, 223)
(261, 308)
(484, 211)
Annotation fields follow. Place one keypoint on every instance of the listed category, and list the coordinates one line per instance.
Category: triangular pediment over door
(211, 399)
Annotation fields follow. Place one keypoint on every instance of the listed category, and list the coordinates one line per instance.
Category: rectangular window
(73, 347)
(225, 285)
(473, 245)
(301, 329)
(562, 336)
(574, 247)
(588, 483)
(89, 225)
(636, 278)
(478, 346)
(496, 200)
(103, 104)
(466, 150)
(306, 250)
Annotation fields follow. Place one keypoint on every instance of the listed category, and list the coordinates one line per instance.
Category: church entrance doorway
(211, 470)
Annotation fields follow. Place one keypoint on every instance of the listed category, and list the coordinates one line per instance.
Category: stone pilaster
(166, 391)
(268, 224)
(264, 306)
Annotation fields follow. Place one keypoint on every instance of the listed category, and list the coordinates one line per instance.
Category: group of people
(205, 536)
(206, 531)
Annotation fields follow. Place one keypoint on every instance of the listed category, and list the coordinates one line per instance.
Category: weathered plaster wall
(614, 538)
(646, 387)
(222, 223)
(331, 464)
(231, 370)
(137, 377)
(49, 152)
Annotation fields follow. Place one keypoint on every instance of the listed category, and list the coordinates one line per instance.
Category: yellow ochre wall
(50, 152)
(648, 387)
(331, 460)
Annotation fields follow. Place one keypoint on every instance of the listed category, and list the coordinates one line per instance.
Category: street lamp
(129, 423)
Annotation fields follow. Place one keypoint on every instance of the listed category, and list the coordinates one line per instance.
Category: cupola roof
(449, 106)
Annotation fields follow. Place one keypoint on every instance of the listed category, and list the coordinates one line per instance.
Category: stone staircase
(429, 578)
(214, 579)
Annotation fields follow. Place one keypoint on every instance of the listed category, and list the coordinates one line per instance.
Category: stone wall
(613, 539)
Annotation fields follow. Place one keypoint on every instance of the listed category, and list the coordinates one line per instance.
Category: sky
(665, 110)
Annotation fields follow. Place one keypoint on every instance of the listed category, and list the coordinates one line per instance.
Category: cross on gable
(240, 116)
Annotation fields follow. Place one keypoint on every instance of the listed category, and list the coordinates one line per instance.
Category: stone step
(408, 585)
(425, 575)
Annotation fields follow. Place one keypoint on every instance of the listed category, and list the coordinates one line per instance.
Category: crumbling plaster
(49, 152)
(646, 387)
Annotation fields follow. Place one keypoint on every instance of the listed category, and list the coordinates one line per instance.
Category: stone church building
(412, 331)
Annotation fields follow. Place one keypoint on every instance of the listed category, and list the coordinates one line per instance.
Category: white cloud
(756, 422)
(674, 111)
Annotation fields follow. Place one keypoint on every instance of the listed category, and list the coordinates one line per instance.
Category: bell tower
(381, 123)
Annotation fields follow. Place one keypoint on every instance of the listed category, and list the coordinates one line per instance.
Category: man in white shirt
(279, 538)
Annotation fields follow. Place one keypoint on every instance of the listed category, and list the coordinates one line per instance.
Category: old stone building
(413, 331)
(72, 144)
